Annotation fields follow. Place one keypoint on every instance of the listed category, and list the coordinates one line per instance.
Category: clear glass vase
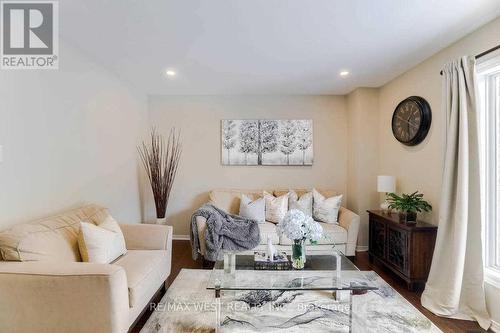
(298, 254)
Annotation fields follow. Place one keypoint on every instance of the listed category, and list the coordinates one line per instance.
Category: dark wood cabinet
(406, 249)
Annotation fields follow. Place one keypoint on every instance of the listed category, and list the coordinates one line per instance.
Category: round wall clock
(411, 120)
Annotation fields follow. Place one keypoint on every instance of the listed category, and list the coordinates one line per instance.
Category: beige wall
(362, 119)
(199, 118)
(68, 137)
(420, 167)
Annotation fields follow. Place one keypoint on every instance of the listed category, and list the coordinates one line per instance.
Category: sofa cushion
(96, 244)
(268, 229)
(253, 209)
(276, 207)
(101, 243)
(119, 246)
(304, 203)
(326, 209)
(52, 238)
(333, 234)
(229, 200)
(146, 271)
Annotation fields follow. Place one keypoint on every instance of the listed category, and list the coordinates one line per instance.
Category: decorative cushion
(255, 210)
(304, 203)
(326, 209)
(229, 200)
(119, 246)
(96, 243)
(276, 207)
(51, 238)
(102, 243)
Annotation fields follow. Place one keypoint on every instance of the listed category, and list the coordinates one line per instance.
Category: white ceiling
(266, 46)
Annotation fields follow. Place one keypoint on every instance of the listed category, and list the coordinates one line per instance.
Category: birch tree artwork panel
(267, 142)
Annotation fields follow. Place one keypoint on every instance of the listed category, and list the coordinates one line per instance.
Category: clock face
(411, 120)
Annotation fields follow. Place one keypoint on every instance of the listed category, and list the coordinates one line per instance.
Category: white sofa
(344, 234)
(44, 286)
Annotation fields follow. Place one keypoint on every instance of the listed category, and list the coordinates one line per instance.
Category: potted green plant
(408, 205)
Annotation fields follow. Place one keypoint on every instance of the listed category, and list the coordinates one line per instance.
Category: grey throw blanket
(224, 232)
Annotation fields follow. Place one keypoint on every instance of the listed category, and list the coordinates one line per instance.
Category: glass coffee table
(237, 273)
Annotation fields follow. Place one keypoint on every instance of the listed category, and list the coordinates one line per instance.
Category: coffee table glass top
(315, 263)
(319, 273)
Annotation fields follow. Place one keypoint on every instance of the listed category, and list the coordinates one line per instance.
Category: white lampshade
(386, 184)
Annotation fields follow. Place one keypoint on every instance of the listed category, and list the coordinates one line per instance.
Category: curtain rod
(482, 54)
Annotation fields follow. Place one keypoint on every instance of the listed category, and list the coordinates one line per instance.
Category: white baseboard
(361, 248)
(180, 237)
(495, 327)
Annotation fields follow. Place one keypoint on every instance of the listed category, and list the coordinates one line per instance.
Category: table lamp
(386, 184)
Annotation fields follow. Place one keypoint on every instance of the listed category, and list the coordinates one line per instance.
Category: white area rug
(189, 307)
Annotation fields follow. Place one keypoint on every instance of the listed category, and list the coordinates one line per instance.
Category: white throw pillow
(304, 203)
(255, 210)
(95, 243)
(101, 244)
(276, 207)
(119, 246)
(326, 209)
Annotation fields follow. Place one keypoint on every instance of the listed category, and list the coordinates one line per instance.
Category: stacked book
(280, 261)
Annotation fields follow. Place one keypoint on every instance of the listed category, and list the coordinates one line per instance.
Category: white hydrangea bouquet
(299, 227)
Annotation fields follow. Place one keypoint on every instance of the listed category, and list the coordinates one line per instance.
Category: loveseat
(44, 286)
(344, 234)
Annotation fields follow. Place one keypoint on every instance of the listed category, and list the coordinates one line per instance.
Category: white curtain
(455, 286)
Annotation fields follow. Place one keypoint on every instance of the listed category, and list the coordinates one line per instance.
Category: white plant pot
(161, 220)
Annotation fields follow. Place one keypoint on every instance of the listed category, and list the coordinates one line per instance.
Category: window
(489, 139)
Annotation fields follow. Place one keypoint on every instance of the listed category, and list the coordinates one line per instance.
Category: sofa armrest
(63, 297)
(350, 221)
(201, 225)
(147, 236)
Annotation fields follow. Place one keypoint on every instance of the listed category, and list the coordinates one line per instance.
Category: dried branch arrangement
(160, 162)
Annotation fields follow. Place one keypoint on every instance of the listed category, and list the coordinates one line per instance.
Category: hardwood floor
(181, 258)
(446, 325)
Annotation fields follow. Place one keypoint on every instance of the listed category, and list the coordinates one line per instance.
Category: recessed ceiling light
(344, 73)
(170, 73)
